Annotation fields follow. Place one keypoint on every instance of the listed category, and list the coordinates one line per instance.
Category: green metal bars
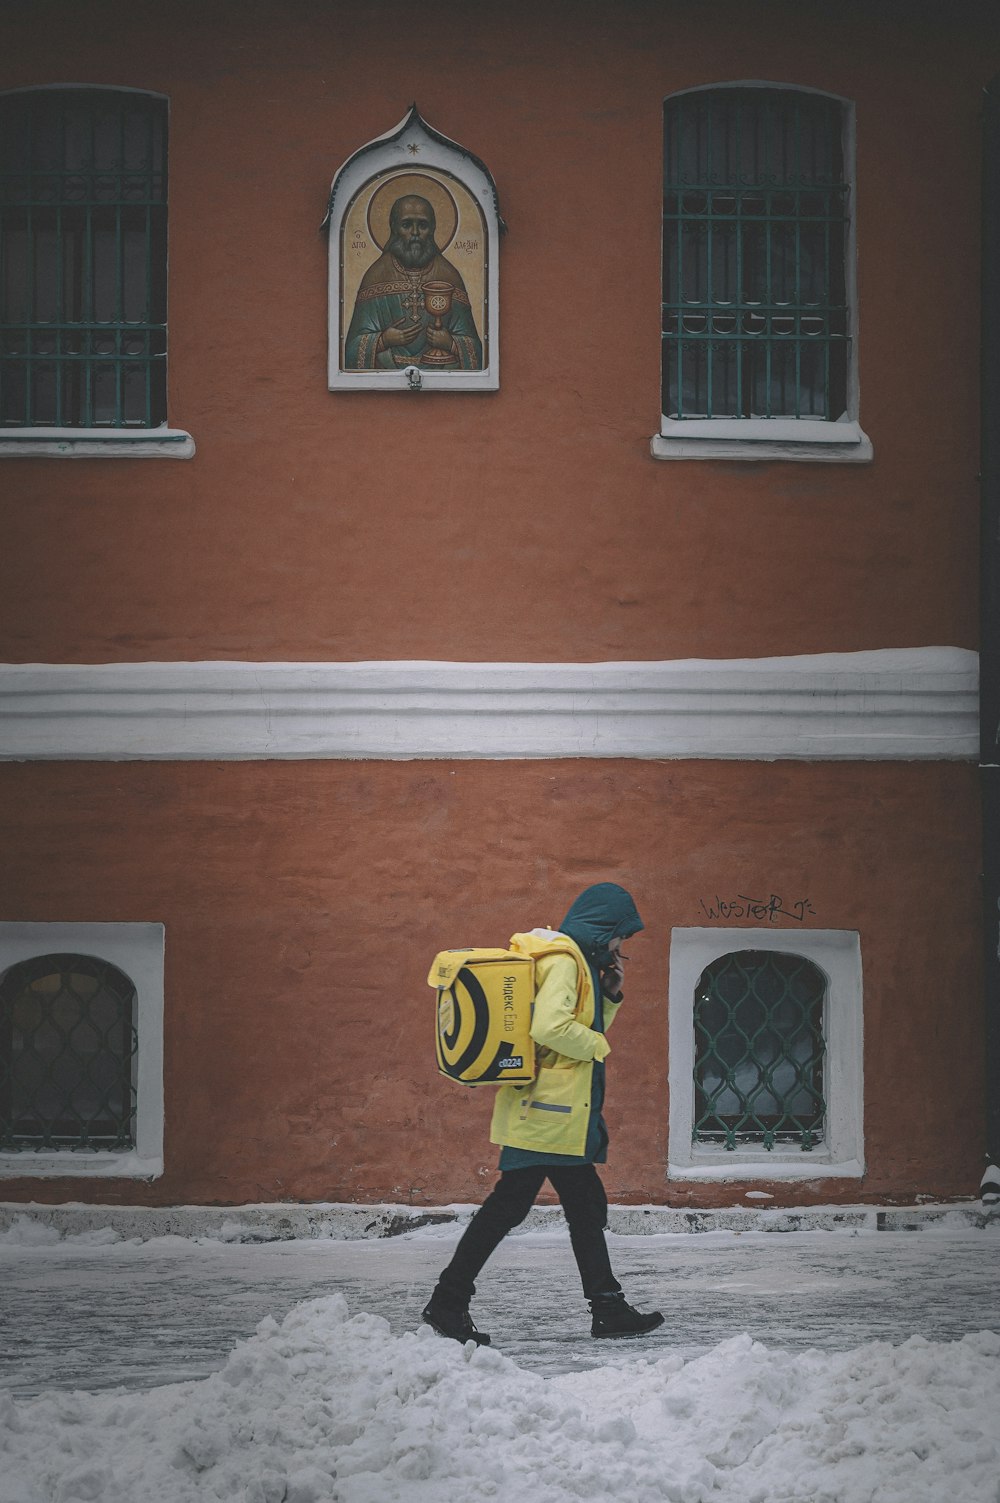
(68, 1045)
(760, 1051)
(83, 254)
(755, 318)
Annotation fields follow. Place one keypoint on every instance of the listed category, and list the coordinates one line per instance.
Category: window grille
(755, 318)
(68, 1042)
(83, 256)
(759, 1051)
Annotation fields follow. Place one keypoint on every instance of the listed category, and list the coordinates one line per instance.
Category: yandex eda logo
(509, 983)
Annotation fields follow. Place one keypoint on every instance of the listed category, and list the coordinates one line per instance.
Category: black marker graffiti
(770, 908)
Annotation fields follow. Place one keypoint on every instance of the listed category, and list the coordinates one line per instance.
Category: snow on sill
(801, 1166)
(71, 1165)
(842, 442)
(93, 443)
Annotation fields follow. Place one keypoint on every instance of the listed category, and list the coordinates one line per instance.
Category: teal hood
(599, 914)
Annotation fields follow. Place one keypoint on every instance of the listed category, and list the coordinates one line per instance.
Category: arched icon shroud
(414, 224)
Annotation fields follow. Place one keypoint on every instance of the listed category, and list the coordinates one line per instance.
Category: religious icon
(414, 266)
(413, 219)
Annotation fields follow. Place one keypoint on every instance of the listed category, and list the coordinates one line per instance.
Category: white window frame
(813, 439)
(43, 442)
(837, 953)
(136, 949)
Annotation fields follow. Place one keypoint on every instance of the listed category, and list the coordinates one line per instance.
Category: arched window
(68, 1046)
(760, 1051)
(83, 247)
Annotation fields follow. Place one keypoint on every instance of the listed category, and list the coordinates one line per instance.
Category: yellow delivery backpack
(484, 1002)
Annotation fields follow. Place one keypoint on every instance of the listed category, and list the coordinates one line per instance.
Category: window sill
(794, 1165)
(762, 438)
(68, 1165)
(93, 443)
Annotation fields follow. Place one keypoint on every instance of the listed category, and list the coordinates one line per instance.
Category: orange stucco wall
(316, 526)
(304, 901)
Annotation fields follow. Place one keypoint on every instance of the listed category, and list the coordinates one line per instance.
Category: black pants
(584, 1204)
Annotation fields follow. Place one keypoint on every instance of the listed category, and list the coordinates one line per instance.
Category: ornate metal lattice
(755, 320)
(83, 256)
(68, 1045)
(759, 1051)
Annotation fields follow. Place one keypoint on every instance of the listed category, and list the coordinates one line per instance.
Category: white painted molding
(762, 438)
(96, 443)
(891, 704)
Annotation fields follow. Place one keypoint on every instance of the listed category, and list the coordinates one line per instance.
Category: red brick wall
(303, 902)
(319, 526)
(302, 898)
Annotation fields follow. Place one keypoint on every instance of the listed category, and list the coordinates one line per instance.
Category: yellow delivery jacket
(552, 1113)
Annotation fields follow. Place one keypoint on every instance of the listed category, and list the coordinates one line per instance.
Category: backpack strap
(538, 944)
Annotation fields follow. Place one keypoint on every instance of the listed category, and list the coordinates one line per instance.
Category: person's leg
(506, 1208)
(585, 1206)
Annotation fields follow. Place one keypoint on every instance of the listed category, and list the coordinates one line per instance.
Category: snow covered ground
(801, 1368)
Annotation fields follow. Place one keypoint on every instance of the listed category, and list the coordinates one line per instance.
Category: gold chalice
(437, 301)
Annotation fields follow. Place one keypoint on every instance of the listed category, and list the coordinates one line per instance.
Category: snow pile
(26, 1232)
(328, 1408)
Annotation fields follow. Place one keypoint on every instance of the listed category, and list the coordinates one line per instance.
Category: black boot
(613, 1317)
(452, 1320)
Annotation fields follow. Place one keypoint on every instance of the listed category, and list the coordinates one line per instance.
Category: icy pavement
(798, 1368)
(82, 1313)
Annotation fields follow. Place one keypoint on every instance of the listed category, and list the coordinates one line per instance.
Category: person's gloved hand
(613, 979)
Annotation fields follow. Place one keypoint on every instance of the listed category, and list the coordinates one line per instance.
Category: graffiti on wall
(762, 910)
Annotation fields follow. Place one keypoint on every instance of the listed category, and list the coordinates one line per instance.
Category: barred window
(83, 254)
(68, 1047)
(760, 1051)
(755, 217)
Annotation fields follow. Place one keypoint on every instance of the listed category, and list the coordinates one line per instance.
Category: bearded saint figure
(391, 328)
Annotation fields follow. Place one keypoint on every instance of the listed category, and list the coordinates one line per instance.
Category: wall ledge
(32, 1225)
(737, 439)
(96, 443)
(905, 703)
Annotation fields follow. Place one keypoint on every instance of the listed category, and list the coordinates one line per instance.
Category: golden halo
(413, 185)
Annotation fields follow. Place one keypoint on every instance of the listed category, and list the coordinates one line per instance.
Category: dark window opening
(68, 1045)
(83, 257)
(755, 317)
(760, 1051)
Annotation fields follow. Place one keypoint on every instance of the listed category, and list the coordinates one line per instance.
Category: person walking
(553, 1128)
